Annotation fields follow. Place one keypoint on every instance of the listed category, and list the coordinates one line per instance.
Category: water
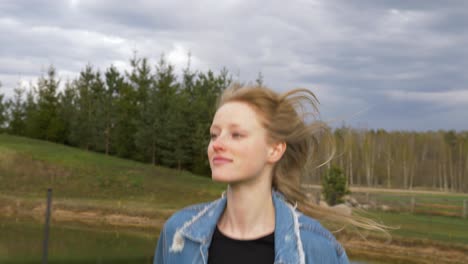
(21, 242)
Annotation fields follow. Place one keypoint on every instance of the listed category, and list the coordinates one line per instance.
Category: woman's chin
(220, 179)
(223, 179)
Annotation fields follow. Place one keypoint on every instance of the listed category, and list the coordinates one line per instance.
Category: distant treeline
(402, 159)
(152, 115)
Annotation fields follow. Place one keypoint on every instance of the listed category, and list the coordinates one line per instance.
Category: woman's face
(238, 149)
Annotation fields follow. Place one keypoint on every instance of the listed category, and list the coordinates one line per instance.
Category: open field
(107, 193)
(423, 202)
(28, 167)
(436, 228)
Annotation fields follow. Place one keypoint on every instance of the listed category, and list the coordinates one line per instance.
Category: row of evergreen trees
(148, 113)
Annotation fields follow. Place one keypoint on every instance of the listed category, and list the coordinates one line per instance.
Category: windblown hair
(292, 117)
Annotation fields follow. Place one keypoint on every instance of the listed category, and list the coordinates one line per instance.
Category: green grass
(436, 228)
(28, 167)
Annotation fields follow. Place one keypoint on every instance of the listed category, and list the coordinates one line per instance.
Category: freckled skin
(237, 134)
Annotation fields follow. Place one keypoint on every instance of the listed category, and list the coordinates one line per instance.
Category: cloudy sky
(398, 65)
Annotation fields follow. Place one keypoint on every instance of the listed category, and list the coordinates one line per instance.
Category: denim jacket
(299, 239)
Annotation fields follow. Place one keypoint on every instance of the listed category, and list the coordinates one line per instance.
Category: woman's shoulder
(185, 214)
(314, 235)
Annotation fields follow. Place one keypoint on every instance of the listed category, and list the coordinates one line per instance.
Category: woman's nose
(218, 143)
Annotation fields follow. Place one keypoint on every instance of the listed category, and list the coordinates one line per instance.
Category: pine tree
(97, 123)
(67, 112)
(82, 130)
(113, 82)
(4, 105)
(17, 125)
(30, 112)
(334, 185)
(125, 129)
(166, 88)
(142, 81)
(187, 109)
(46, 122)
(181, 131)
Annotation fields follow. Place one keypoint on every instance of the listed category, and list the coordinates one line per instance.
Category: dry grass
(98, 214)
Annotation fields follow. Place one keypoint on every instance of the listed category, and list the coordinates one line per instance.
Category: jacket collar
(288, 244)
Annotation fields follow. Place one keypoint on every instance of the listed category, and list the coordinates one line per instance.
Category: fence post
(317, 198)
(413, 203)
(465, 208)
(45, 245)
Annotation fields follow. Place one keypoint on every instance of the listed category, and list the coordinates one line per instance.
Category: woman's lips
(219, 161)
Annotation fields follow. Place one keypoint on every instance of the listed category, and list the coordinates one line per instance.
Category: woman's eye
(236, 135)
(212, 136)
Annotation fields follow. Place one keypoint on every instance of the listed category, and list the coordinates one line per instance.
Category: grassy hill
(28, 167)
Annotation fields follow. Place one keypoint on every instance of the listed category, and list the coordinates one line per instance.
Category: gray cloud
(388, 64)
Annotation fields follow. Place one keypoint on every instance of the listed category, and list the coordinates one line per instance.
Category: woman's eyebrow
(230, 126)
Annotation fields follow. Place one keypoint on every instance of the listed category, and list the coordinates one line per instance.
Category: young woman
(261, 145)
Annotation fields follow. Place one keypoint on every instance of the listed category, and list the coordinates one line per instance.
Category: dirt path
(92, 216)
(384, 190)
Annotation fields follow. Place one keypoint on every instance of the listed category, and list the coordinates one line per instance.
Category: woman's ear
(276, 151)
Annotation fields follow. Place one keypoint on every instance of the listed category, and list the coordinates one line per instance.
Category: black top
(226, 250)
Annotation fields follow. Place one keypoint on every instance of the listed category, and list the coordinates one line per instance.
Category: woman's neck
(249, 211)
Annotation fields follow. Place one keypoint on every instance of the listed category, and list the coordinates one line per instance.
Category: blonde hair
(285, 117)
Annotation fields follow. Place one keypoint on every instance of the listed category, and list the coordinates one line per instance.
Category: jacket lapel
(288, 243)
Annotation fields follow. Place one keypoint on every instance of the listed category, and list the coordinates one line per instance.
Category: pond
(21, 242)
